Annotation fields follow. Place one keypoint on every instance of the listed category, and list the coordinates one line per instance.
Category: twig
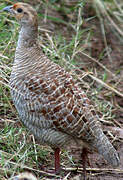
(35, 150)
(118, 6)
(94, 169)
(79, 23)
(103, 33)
(28, 168)
(106, 85)
(101, 65)
(103, 10)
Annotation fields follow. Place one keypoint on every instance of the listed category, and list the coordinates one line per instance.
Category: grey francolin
(48, 100)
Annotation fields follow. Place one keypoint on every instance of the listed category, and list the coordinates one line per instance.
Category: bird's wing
(57, 97)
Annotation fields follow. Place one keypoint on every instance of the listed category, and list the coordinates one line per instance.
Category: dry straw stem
(35, 150)
(16, 165)
(79, 23)
(118, 7)
(100, 5)
(106, 85)
(103, 33)
(5, 57)
(80, 170)
(100, 64)
(12, 156)
(3, 75)
(95, 169)
(66, 177)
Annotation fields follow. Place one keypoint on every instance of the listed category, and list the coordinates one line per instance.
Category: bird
(48, 99)
(25, 176)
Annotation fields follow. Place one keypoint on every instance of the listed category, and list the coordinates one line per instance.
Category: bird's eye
(19, 10)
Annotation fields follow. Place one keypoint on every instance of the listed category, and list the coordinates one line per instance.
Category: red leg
(57, 160)
(85, 160)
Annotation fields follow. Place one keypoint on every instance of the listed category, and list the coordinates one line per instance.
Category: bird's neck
(27, 45)
(27, 36)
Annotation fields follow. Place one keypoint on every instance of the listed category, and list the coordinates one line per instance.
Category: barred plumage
(49, 101)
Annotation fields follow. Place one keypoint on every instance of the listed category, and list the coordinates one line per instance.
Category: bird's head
(24, 13)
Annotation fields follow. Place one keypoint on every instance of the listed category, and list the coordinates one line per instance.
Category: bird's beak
(8, 9)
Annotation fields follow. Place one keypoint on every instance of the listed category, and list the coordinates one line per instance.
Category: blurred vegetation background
(86, 38)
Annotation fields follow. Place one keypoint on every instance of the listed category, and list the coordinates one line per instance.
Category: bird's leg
(85, 160)
(57, 160)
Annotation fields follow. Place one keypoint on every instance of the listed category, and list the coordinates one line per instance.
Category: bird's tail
(104, 147)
